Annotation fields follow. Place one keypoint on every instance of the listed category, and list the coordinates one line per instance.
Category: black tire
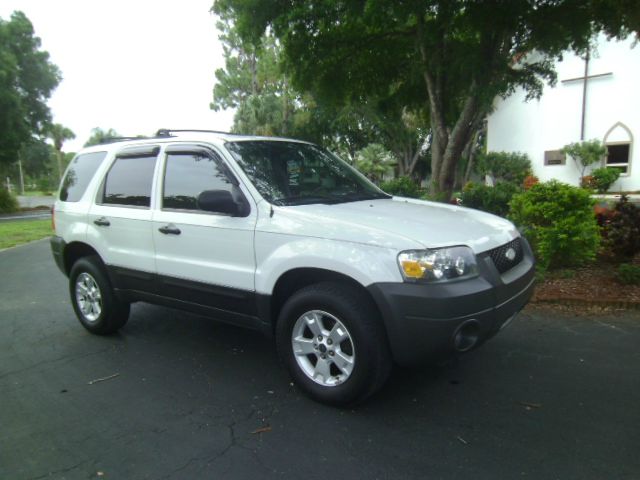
(103, 314)
(372, 360)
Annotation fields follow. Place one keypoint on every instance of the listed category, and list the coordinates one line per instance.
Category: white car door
(120, 220)
(203, 232)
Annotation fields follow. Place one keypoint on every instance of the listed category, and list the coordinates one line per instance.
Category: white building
(606, 107)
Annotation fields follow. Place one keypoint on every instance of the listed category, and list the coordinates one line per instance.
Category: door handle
(102, 222)
(170, 229)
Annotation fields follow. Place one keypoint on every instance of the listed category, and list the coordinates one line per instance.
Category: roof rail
(166, 132)
(108, 140)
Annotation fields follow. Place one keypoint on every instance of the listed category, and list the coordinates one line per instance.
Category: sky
(134, 66)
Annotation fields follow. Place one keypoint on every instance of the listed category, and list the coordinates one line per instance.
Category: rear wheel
(331, 339)
(93, 299)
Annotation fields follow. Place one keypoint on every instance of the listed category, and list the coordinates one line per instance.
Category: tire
(343, 354)
(93, 299)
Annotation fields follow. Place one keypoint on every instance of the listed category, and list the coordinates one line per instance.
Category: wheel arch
(295, 279)
(74, 251)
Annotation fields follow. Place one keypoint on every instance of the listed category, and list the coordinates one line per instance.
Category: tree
(585, 153)
(375, 161)
(255, 83)
(27, 79)
(98, 136)
(463, 52)
(36, 156)
(59, 134)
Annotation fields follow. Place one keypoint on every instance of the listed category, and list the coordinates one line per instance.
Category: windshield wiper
(304, 200)
(361, 196)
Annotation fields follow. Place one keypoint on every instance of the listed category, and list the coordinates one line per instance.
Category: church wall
(553, 121)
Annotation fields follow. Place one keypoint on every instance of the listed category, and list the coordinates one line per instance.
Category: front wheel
(93, 299)
(331, 339)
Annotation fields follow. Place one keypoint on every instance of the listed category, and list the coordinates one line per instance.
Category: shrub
(45, 184)
(8, 202)
(505, 166)
(588, 182)
(621, 228)
(604, 177)
(559, 221)
(489, 199)
(530, 181)
(628, 274)
(402, 186)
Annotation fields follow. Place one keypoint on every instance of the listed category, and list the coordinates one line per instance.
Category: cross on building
(585, 78)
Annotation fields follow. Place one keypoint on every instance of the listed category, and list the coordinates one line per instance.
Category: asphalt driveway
(178, 396)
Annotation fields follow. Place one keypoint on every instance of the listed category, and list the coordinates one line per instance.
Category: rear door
(203, 257)
(120, 220)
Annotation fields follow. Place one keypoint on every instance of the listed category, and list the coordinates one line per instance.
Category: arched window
(619, 142)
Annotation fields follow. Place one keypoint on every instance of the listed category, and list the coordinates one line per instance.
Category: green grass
(14, 233)
(36, 193)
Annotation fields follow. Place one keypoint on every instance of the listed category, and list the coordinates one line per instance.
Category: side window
(129, 181)
(187, 175)
(79, 174)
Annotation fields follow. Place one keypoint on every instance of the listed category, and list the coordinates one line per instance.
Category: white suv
(281, 236)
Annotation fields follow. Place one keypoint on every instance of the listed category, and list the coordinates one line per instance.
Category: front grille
(500, 259)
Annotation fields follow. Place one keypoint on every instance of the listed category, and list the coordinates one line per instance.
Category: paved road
(28, 201)
(550, 398)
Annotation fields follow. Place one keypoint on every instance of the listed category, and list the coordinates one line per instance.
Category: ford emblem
(510, 254)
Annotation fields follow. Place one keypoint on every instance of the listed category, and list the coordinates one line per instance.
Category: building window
(619, 141)
(618, 156)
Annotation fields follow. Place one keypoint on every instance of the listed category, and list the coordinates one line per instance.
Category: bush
(628, 274)
(530, 181)
(402, 186)
(44, 184)
(588, 182)
(558, 220)
(621, 229)
(8, 203)
(604, 177)
(489, 199)
(505, 166)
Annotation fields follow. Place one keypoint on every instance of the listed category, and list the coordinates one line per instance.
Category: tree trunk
(472, 150)
(447, 148)
(59, 157)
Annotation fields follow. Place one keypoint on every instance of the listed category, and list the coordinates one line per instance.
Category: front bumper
(427, 321)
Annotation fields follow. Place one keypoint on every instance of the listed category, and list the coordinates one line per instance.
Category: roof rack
(166, 132)
(108, 140)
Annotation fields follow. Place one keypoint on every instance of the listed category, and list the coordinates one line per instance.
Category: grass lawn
(18, 232)
(36, 193)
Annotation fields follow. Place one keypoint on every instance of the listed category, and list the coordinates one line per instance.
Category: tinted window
(291, 173)
(129, 181)
(79, 174)
(187, 175)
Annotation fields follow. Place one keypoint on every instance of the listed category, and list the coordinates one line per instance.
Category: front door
(202, 257)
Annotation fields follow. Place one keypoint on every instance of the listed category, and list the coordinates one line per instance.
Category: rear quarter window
(80, 172)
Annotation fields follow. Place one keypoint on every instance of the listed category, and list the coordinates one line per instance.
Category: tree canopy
(27, 79)
(255, 82)
(450, 57)
(99, 135)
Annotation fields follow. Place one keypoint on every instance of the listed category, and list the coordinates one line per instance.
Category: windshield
(291, 173)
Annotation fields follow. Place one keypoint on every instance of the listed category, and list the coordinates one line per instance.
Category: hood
(401, 223)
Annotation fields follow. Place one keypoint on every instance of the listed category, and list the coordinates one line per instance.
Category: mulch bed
(595, 285)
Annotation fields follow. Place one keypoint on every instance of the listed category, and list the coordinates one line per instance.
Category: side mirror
(218, 201)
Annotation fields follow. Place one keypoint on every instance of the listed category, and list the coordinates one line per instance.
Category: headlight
(438, 264)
